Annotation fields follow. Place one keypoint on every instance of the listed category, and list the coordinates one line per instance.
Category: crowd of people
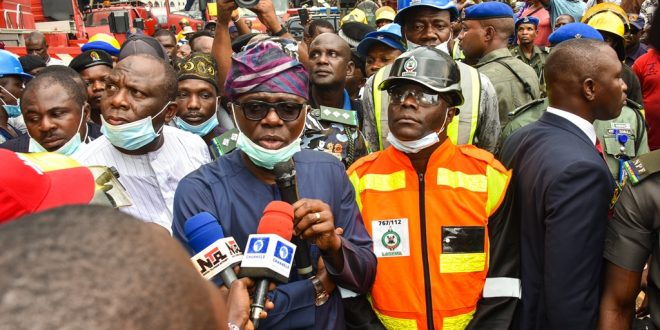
(470, 165)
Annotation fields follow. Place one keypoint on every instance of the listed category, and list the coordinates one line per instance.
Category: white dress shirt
(150, 179)
(583, 124)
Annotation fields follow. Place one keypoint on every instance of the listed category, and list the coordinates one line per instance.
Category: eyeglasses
(424, 98)
(258, 110)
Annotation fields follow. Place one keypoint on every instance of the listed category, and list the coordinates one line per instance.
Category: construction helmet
(356, 15)
(404, 7)
(431, 68)
(11, 66)
(611, 21)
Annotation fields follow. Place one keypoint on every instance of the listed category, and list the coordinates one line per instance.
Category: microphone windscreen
(277, 219)
(202, 230)
(284, 170)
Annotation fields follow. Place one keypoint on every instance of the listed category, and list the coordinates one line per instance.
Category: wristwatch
(279, 33)
(322, 296)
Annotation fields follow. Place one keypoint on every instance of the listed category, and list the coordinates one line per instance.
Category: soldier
(484, 37)
(622, 138)
(526, 51)
(632, 238)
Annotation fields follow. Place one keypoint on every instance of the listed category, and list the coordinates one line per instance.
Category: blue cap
(202, 230)
(527, 20)
(404, 7)
(574, 31)
(100, 45)
(11, 66)
(390, 35)
(488, 10)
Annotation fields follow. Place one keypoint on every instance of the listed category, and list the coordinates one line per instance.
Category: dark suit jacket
(22, 143)
(560, 193)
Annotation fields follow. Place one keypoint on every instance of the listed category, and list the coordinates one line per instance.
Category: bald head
(332, 38)
(86, 267)
(593, 84)
(35, 44)
(330, 61)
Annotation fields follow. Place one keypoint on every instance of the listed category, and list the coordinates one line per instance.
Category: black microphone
(285, 178)
(215, 253)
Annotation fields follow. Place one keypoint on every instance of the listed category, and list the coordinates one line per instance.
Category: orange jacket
(439, 254)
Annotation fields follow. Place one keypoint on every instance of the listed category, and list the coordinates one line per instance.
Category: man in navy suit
(562, 189)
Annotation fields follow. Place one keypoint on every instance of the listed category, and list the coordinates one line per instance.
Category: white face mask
(444, 47)
(413, 147)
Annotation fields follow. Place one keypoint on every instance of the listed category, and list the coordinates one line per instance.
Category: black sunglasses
(258, 110)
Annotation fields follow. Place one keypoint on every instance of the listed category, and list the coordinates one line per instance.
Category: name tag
(390, 238)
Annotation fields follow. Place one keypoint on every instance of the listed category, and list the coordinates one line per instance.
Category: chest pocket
(612, 146)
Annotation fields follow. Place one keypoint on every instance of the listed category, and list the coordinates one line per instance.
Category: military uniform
(515, 82)
(622, 138)
(632, 234)
(537, 62)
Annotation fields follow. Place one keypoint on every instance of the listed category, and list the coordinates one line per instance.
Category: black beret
(89, 59)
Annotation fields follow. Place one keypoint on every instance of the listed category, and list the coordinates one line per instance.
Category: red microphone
(269, 254)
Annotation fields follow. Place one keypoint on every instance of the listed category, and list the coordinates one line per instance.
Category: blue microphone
(215, 253)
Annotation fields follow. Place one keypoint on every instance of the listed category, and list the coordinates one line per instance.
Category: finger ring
(318, 216)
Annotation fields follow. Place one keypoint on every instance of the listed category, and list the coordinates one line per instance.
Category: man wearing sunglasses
(268, 93)
(428, 205)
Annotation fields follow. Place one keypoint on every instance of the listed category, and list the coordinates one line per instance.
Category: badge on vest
(390, 238)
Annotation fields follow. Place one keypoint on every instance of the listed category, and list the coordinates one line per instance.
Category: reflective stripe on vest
(462, 128)
(380, 99)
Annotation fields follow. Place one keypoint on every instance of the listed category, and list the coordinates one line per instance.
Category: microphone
(215, 253)
(269, 253)
(285, 178)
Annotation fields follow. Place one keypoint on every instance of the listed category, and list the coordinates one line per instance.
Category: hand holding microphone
(313, 220)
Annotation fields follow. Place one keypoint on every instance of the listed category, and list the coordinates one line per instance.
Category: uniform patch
(391, 238)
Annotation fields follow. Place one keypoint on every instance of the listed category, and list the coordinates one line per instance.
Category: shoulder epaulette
(526, 107)
(335, 115)
(226, 142)
(642, 167)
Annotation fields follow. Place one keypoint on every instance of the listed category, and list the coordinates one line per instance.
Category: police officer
(428, 23)
(632, 237)
(484, 37)
(621, 138)
(526, 29)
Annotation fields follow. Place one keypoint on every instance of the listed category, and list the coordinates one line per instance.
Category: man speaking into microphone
(268, 92)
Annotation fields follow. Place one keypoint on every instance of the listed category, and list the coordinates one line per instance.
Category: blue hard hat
(574, 31)
(11, 66)
(389, 34)
(404, 7)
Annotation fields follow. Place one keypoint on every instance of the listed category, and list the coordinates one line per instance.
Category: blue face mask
(13, 110)
(201, 129)
(263, 157)
(66, 149)
(132, 136)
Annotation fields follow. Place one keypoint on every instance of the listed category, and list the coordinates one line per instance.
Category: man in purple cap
(268, 93)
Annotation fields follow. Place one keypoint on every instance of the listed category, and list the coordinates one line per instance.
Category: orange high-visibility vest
(429, 231)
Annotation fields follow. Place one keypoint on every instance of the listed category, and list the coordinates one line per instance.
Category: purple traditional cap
(265, 68)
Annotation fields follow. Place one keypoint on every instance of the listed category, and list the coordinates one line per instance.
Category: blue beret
(527, 20)
(488, 10)
(574, 31)
(100, 45)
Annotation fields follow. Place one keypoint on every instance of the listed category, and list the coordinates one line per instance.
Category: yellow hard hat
(385, 12)
(356, 15)
(608, 17)
(105, 38)
(184, 21)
